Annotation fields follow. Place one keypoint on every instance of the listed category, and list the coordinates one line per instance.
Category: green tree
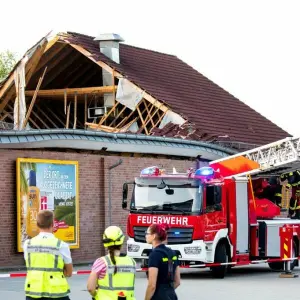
(7, 62)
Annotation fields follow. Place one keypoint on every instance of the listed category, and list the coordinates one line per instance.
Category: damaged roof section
(79, 82)
(70, 89)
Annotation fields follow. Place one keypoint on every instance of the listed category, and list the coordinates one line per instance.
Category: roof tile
(189, 93)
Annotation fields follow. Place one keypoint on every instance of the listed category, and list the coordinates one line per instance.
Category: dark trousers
(44, 298)
(164, 292)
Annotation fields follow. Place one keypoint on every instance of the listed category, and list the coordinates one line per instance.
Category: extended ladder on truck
(233, 228)
(269, 160)
(273, 159)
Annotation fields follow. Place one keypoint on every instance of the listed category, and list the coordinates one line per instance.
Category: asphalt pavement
(243, 283)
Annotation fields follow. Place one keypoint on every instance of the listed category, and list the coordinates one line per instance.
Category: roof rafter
(111, 70)
(72, 91)
(29, 70)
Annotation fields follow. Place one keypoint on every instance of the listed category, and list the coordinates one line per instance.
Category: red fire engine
(215, 218)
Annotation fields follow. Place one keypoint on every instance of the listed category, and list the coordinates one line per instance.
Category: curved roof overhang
(111, 142)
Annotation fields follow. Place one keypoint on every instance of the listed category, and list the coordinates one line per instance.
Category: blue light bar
(176, 232)
(205, 171)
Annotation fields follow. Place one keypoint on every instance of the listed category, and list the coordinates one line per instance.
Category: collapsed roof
(73, 82)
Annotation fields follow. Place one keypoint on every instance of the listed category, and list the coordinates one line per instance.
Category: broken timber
(146, 116)
(72, 91)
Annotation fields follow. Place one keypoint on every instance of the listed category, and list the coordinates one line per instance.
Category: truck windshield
(178, 196)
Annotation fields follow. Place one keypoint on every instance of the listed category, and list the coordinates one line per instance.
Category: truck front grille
(175, 235)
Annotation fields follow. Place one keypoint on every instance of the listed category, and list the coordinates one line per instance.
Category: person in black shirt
(163, 273)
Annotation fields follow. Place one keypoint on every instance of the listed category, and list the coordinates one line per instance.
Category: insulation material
(20, 103)
(128, 94)
(172, 117)
(132, 128)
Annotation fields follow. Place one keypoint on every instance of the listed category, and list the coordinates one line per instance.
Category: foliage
(23, 179)
(23, 182)
(70, 219)
(66, 213)
(7, 62)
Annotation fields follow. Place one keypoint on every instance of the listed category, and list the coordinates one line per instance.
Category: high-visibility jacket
(120, 284)
(293, 179)
(45, 277)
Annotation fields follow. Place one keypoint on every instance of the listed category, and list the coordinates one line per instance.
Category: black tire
(220, 257)
(276, 266)
(279, 266)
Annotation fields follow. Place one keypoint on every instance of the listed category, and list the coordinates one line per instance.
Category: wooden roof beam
(106, 67)
(30, 67)
(72, 91)
(30, 119)
(58, 56)
(56, 71)
(73, 75)
(50, 55)
(86, 77)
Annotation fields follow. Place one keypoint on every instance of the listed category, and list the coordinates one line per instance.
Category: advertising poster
(52, 185)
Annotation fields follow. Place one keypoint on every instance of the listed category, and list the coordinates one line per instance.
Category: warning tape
(236, 263)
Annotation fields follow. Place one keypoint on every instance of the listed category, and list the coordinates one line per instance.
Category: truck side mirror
(125, 193)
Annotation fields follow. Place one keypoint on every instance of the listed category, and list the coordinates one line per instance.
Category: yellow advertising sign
(52, 185)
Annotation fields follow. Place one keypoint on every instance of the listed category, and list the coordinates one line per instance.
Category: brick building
(148, 108)
(93, 177)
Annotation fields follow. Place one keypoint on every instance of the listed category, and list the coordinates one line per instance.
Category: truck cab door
(214, 211)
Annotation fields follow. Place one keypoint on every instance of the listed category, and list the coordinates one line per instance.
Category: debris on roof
(185, 131)
(77, 81)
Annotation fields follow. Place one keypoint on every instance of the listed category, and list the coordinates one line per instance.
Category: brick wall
(93, 193)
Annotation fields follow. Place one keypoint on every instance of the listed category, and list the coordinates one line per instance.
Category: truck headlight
(133, 248)
(192, 250)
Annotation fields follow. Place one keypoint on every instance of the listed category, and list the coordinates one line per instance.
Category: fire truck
(215, 218)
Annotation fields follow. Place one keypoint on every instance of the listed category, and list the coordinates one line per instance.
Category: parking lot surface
(244, 283)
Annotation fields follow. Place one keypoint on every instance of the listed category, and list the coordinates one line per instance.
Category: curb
(23, 268)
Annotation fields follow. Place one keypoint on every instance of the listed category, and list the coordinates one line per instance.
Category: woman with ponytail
(113, 275)
(163, 273)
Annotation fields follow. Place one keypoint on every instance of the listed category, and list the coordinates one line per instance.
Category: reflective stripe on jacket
(121, 283)
(45, 265)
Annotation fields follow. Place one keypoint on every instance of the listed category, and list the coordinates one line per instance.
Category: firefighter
(112, 276)
(48, 262)
(164, 274)
(278, 195)
(293, 179)
(294, 208)
(284, 176)
(276, 190)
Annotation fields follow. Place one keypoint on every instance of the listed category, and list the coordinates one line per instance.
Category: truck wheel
(279, 266)
(220, 257)
(276, 266)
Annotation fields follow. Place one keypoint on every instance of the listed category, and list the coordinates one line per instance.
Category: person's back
(161, 257)
(120, 278)
(164, 274)
(112, 276)
(48, 261)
